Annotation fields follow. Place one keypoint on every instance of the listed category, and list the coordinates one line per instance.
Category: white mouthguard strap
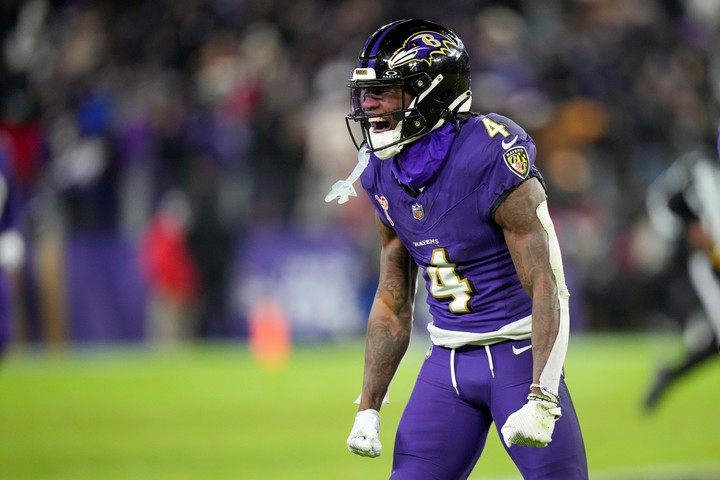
(342, 190)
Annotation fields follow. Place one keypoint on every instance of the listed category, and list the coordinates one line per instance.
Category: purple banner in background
(106, 294)
(315, 277)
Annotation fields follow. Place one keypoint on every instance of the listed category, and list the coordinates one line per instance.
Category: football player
(458, 196)
(682, 207)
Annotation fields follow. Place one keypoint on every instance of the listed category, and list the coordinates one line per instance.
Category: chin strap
(381, 141)
(342, 190)
(462, 102)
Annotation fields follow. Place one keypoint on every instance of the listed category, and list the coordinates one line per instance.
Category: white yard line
(688, 471)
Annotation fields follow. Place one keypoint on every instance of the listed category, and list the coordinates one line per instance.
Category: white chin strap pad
(381, 140)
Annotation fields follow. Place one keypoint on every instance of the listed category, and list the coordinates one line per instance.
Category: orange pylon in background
(269, 334)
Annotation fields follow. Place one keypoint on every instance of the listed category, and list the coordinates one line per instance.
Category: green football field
(211, 412)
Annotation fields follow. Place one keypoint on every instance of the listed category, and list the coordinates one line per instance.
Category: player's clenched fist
(364, 438)
(532, 425)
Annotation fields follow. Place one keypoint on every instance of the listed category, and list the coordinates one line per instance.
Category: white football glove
(364, 437)
(532, 425)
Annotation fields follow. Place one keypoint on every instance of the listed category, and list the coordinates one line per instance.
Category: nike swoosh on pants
(518, 351)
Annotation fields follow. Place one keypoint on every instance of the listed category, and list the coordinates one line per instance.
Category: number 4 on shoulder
(493, 128)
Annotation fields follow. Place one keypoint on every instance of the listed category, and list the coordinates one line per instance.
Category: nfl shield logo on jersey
(418, 212)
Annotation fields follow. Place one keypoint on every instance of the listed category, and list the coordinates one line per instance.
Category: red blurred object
(166, 260)
(25, 144)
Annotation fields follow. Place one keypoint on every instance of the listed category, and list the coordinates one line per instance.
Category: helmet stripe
(373, 44)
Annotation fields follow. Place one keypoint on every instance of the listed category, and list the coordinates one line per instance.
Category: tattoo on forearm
(385, 348)
(390, 322)
(395, 279)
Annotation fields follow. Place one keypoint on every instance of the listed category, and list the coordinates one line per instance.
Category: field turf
(211, 412)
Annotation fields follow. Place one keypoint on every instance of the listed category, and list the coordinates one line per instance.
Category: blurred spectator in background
(171, 273)
(23, 152)
(211, 242)
(683, 208)
(12, 250)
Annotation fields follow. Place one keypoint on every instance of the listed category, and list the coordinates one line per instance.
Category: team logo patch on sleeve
(517, 161)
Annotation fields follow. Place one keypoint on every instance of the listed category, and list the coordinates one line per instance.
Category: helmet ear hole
(446, 96)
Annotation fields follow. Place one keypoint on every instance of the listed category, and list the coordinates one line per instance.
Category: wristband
(546, 394)
(542, 398)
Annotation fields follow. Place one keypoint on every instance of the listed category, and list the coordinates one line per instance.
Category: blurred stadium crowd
(162, 157)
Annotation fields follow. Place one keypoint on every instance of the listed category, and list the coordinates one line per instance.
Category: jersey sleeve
(508, 160)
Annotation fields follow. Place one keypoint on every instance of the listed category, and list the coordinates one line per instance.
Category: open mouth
(380, 124)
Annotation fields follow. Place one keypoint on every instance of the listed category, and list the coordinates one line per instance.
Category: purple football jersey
(448, 228)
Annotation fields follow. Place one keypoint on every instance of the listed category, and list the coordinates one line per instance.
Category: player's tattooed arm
(390, 321)
(527, 241)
